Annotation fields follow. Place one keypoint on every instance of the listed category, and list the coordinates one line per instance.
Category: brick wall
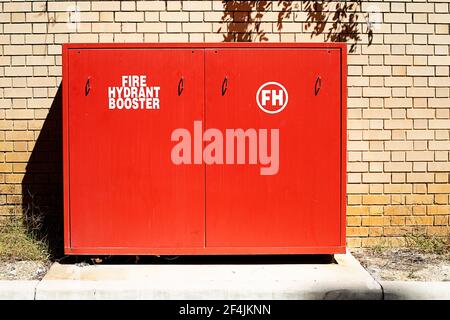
(398, 94)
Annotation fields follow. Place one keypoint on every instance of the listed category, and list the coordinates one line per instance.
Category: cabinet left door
(125, 194)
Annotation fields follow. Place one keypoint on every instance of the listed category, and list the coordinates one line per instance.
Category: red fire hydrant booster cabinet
(230, 148)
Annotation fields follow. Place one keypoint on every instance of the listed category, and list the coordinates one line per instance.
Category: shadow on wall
(338, 22)
(42, 197)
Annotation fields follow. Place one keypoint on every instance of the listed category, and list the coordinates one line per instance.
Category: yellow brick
(353, 221)
(197, 27)
(84, 37)
(375, 231)
(419, 221)
(129, 16)
(440, 220)
(439, 145)
(441, 198)
(376, 70)
(377, 134)
(419, 199)
(398, 81)
(158, 5)
(357, 167)
(372, 242)
(420, 135)
(387, 220)
(397, 210)
(419, 210)
(5, 167)
(106, 5)
(353, 242)
(438, 209)
(376, 210)
(353, 199)
(196, 5)
(397, 188)
(376, 188)
(13, 199)
(396, 231)
(106, 17)
(376, 177)
(372, 221)
(63, 6)
(357, 188)
(6, 146)
(357, 210)
(106, 27)
(439, 166)
(19, 135)
(420, 177)
(17, 156)
(17, 28)
(398, 124)
(439, 231)
(399, 70)
(14, 178)
(424, 71)
(397, 18)
(371, 199)
(152, 27)
(19, 167)
(398, 60)
(174, 37)
(174, 16)
(398, 166)
(439, 188)
(420, 92)
(128, 37)
(376, 92)
(357, 231)
(16, 6)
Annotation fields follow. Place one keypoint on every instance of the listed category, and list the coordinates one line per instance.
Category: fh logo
(272, 97)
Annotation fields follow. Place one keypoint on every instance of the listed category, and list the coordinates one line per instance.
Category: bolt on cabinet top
(230, 148)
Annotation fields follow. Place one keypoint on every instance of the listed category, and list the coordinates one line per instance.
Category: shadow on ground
(210, 259)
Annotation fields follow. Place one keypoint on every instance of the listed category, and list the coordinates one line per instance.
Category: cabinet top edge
(210, 45)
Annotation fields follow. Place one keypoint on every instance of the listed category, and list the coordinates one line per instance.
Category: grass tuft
(428, 243)
(20, 243)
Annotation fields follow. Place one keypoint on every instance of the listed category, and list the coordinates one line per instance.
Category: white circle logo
(272, 97)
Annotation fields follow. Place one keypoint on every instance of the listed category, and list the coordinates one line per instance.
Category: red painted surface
(123, 194)
(298, 206)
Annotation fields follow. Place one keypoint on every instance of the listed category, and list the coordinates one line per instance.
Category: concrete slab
(17, 289)
(415, 290)
(345, 280)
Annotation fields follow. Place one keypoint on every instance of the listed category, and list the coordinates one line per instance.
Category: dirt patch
(23, 270)
(406, 264)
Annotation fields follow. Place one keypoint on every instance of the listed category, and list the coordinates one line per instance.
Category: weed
(16, 243)
(428, 243)
(380, 247)
(20, 236)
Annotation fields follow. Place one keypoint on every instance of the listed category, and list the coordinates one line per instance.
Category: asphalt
(342, 280)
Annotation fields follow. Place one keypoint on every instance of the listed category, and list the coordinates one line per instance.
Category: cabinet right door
(280, 181)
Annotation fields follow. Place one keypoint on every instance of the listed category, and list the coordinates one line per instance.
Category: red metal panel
(125, 192)
(123, 195)
(298, 206)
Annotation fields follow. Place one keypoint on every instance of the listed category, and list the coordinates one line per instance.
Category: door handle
(318, 85)
(180, 86)
(87, 86)
(224, 85)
